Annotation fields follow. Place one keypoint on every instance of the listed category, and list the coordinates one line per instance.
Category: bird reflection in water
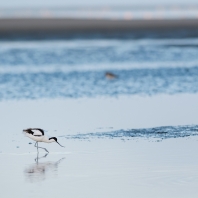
(41, 171)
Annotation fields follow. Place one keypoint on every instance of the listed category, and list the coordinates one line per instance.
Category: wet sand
(91, 25)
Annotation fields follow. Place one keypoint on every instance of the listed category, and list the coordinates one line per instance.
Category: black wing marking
(41, 130)
(35, 131)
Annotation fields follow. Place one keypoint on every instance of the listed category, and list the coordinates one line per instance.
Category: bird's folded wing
(36, 132)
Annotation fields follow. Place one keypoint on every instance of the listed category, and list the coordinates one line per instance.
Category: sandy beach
(91, 25)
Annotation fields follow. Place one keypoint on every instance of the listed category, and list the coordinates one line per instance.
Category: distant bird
(37, 135)
(110, 75)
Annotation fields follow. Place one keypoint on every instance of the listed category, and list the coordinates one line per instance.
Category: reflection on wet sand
(40, 171)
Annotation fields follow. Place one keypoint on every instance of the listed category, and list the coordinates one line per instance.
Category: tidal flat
(100, 165)
(133, 135)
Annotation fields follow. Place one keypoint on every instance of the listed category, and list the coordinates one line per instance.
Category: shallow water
(134, 168)
(134, 135)
(76, 68)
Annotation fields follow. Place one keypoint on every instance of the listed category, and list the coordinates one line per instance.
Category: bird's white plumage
(37, 135)
(35, 138)
(36, 132)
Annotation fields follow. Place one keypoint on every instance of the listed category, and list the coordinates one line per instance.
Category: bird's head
(54, 139)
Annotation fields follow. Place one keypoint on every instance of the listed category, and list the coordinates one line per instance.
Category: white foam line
(106, 67)
(99, 42)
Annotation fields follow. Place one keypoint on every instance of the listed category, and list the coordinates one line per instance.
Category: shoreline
(53, 25)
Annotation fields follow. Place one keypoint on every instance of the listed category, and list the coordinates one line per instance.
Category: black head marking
(54, 138)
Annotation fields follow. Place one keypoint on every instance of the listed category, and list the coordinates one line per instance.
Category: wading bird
(110, 75)
(37, 135)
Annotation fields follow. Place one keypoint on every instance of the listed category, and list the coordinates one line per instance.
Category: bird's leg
(45, 155)
(36, 143)
(37, 158)
(42, 148)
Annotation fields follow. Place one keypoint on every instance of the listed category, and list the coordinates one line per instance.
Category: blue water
(73, 68)
(93, 83)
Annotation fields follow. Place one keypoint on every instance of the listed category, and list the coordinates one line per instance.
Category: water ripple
(93, 83)
(76, 68)
(163, 132)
